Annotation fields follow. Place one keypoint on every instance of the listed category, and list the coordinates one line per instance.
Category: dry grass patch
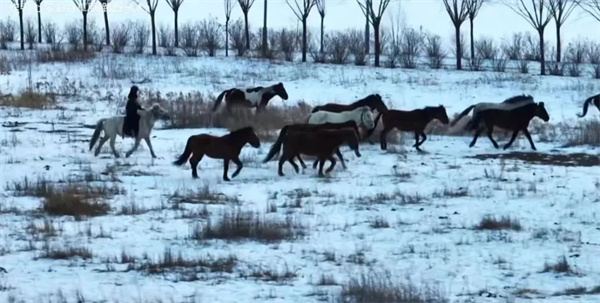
(239, 225)
(492, 223)
(204, 195)
(70, 56)
(65, 252)
(269, 274)
(171, 262)
(29, 99)
(561, 266)
(586, 133)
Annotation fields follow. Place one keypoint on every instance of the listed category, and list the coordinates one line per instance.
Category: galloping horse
(113, 126)
(276, 147)
(322, 144)
(257, 97)
(508, 104)
(591, 100)
(361, 115)
(373, 101)
(414, 120)
(227, 147)
(516, 119)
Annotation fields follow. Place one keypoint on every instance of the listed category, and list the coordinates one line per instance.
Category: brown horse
(516, 119)
(257, 97)
(322, 144)
(227, 147)
(276, 147)
(414, 120)
(591, 100)
(373, 101)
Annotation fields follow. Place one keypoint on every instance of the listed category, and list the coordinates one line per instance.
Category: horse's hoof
(226, 179)
(281, 174)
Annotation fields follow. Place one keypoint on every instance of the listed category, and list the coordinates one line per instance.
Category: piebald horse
(257, 97)
(508, 104)
(113, 127)
(595, 100)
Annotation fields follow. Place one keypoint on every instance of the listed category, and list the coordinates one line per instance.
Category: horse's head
(377, 103)
(366, 117)
(540, 111)
(280, 91)
(158, 112)
(251, 136)
(439, 112)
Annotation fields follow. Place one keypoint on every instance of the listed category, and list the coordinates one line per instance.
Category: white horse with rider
(113, 127)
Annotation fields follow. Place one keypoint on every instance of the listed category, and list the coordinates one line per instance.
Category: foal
(322, 144)
(227, 147)
(515, 119)
(414, 120)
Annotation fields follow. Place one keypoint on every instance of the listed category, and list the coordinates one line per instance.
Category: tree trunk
(322, 33)
(376, 24)
(85, 38)
(152, 19)
(227, 37)
(367, 26)
(304, 34)
(39, 11)
(247, 30)
(22, 32)
(264, 32)
(176, 27)
(458, 47)
(558, 45)
(542, 53)
(105, 8)
(472, 40)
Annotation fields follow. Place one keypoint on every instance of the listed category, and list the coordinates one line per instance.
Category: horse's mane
(366, 99)
(242, 130)
(518, 98)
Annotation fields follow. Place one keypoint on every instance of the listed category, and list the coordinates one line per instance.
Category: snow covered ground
(412, 214)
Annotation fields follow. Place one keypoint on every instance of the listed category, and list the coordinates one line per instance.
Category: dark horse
(321, 143)
(227, 147)
(414, 120)
(591, 100)
(516, 119)
(373, 101)
(257, 97)
(276, 147)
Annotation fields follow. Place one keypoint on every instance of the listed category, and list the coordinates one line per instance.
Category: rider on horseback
(132, 118)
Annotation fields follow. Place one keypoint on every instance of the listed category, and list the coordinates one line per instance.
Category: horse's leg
(150, 147)
(239, 164)
(339, 154)
(423, 137)
(475, 137)
(194, 160)
(490, 131)
(134, 148)
(102, 141)
(526, 132)
(332, 159)
(225, 169)
(112, 145)
(382, 135)
(512, 139)
(296, 168)
(282, 159)
(321, 164)
(301, 161)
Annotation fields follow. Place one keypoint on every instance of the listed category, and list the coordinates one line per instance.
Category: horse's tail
(219, 99)
(97, 132)
(370, 131)
(186, 153)
(586, 104)
(277, 145)
(464, 113)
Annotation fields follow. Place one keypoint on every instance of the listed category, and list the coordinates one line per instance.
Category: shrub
(237, 37)
(485, 48)
(356, 46)
(211, 36)
(50, 34)
(30, 33)
(435, 52)
(288, 42)
(120, 35)
(189, 39)
(410, 47)
(338, 45)
(514, 48)
(74, 34)
(141, 36)
(492, 223)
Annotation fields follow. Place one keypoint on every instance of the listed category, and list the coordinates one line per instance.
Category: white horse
(113, 127)
(361, 115)
(508, 104)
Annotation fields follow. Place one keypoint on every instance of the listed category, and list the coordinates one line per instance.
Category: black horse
(373, 101)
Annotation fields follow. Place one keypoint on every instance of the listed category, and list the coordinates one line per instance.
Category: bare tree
(374, 18)
(321, 9)
(560, 11)
(104, 4)
(19, 4)
(458, 15)
(592, 7)
(473, 6)
(246, 5)
(38, 3)
(84, 6)
(151, 10)
(539, 18)
(264, 31)
(175, 5)
(229, 4)
(302, 14)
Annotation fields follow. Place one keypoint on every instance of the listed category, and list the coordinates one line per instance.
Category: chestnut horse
(227, 147)
(322, 144)
(516, 119)
(414, 121)
(257, 97)
(276, 147)
(591, 100)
